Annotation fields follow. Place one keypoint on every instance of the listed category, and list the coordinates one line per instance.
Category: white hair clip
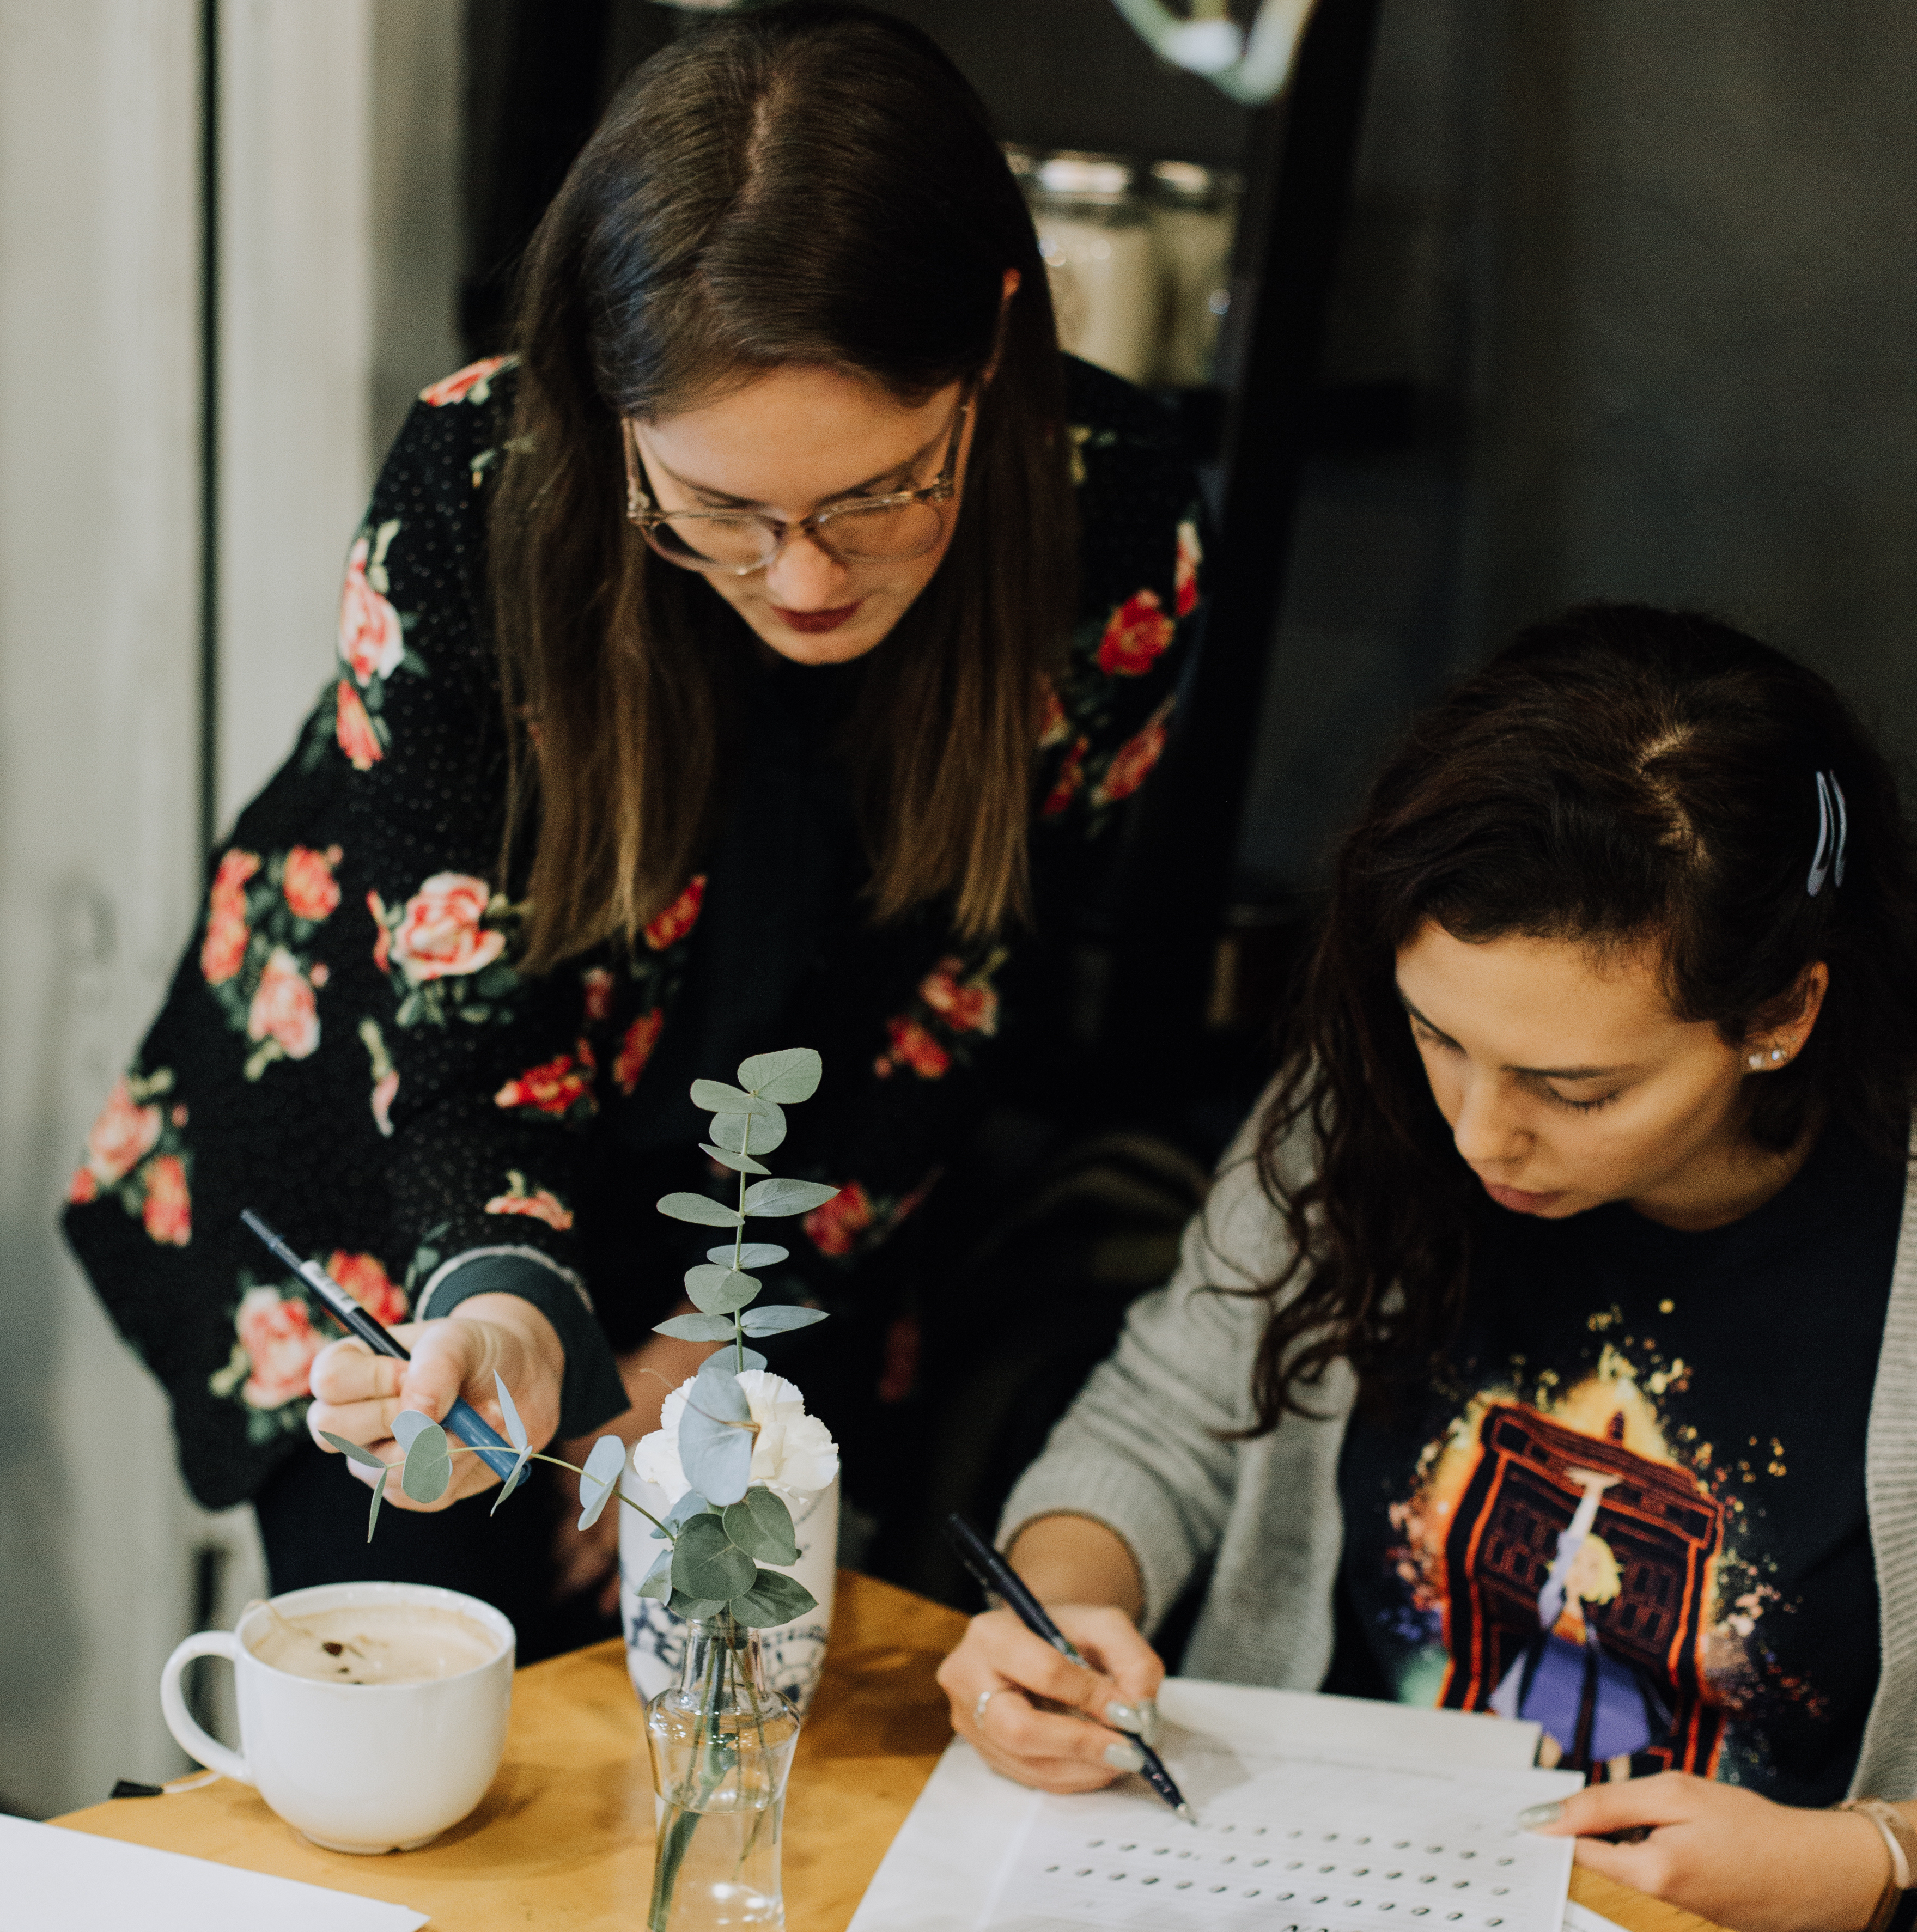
(1827, 862)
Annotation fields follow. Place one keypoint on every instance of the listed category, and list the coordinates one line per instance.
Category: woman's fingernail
(1148, 1721)
(1124, 1757)
(1539, 1814)
(1124, 1716)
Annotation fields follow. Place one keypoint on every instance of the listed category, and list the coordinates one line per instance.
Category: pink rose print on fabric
(964, 1008)
(555, 1087)
(354, 729)
(364, 1278)
(641, 1036)
(474, 380)
(913, 1046)
(539, 1202)
(834, 1228)
(372, 638)
(596, 985)
(280, 1342)
(1184, 576)
(1131, 764)
(284, 1010)
(1136, 637)
(1071, 776)
(307, 879)
(167, 1214)
(678, 919)
(1053, 724)
(223, 951)
(121, 1139)
(439, 935)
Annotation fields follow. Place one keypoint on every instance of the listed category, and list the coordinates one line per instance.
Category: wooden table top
(564, 1838)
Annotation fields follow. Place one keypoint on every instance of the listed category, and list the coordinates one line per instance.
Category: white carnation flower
(793, 1452)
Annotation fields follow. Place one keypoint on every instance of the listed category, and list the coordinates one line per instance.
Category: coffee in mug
(374, 1643)
(372, 1715)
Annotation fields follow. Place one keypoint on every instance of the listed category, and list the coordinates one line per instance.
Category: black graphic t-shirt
(1634, 1510)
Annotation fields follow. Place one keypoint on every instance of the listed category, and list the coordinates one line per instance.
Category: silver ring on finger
(985, 1698)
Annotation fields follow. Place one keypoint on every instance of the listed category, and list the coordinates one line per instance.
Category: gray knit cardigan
(1146, 1450)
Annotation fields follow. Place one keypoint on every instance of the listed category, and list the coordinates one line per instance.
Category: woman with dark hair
(762, 654)
(1549, 1343)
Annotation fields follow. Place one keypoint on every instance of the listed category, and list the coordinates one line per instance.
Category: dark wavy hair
(1618, 774)
(807, 185)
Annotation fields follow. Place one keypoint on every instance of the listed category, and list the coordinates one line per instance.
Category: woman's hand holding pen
(998, 1675)
(1085, 1575)
(357, 1393)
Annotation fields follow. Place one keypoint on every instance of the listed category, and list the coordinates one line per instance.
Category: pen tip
(1185, 1812)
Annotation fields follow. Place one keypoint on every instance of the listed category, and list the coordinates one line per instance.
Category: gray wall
(1652, 265)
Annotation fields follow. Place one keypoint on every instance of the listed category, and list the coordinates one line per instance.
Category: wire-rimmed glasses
(892, 529)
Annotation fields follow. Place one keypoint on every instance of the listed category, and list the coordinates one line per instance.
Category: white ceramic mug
(655, 1639)
(355, 1767)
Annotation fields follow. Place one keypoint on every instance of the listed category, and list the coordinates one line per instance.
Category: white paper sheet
(1288, 1842)
(51, 1877)
(1581, 1918)
(943, 1872)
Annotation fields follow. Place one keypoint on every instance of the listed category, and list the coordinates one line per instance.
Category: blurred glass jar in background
(1095, 235)
(1194, 216)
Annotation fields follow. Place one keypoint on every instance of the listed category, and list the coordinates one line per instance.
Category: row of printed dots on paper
(1275, 1883)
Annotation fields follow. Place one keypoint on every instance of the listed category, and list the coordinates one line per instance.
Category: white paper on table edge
(1581, 1918)
(80, 1881)
(941, 1870)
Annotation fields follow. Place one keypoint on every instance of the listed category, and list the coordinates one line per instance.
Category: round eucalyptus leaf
(715, 1435)
(778, 1320)
(689, 1505)
(706, 1564)
(788, 1077)
(716, 1097)
(378, 1496)
(695, 1328)
(600, 1478)
(428, 1465)
(719, 1291)
(699, 1207)
(740, 1163)
(750, 1133)
(407, 1424)
(355, 1452)
(750, 1254)
(787, 1197)
(514, 1427)
(760, 1524)
(772, 1599)
(514, 1477)
(694, 1609)
(658, 1582)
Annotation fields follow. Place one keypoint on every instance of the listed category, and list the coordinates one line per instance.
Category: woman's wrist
(1077, 1559)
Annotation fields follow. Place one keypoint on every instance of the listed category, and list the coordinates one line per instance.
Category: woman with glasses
(759, 657)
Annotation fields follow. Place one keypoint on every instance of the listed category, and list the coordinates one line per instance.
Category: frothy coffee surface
(381, 1643)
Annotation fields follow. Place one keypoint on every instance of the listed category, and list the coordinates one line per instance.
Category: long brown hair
(1617, 774)
(808, 185)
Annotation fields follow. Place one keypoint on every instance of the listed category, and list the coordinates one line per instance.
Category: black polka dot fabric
(350, 1048)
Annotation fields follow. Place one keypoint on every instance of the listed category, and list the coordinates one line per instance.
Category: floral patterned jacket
(348, 1048)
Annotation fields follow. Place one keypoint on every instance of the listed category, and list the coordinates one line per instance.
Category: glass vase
(722, 1740)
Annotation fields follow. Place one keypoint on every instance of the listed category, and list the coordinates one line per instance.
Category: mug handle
(187, 1734)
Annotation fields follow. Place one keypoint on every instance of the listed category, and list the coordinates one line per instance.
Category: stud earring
(1756, 1061)
(1776, 1053)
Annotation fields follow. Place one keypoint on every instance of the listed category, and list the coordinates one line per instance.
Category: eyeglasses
(862, 529)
